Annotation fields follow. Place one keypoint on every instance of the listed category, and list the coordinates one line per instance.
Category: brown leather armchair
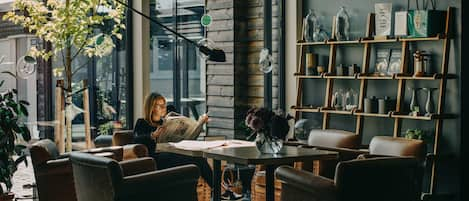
(344, 142)
(125, 138)
(384, 179)
(103, 179)
(53, 171)
(390, 146)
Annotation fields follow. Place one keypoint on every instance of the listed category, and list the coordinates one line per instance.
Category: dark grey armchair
(384, 179)
(103, 179)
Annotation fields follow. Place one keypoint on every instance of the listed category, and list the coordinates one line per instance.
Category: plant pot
(7, 196)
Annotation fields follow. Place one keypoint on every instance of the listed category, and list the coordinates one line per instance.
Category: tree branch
(80, 67)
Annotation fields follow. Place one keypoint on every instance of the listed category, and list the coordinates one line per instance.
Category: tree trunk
(68, 97)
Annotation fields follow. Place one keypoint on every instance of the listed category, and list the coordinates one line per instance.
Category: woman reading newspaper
(158, 125)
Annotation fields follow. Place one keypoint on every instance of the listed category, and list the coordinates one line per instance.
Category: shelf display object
(391, 64)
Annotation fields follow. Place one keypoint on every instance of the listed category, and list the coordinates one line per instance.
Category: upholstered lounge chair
(383, 178)
(104, 179)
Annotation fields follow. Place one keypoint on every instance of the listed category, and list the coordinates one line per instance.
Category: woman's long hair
(149, 104)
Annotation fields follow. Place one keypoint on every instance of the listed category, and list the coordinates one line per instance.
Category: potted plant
(415, 134)
(11, 127)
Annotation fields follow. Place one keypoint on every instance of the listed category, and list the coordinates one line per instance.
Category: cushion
(333, 138)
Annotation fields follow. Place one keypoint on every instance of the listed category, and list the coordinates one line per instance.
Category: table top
(166, 147)
(250, 155)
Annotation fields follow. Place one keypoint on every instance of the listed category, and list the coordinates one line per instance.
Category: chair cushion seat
(333, 138)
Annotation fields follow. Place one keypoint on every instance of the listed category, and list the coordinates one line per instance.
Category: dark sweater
(142, 134)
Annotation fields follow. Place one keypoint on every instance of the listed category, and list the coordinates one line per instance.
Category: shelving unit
(365, 75)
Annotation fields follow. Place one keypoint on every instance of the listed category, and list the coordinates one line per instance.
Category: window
(176, 70)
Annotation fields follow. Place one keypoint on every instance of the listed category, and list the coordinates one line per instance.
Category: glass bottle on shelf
(342, 25)
(351, 98)
(311, 25)
(414, 105)
(429, 105)
(338, 100)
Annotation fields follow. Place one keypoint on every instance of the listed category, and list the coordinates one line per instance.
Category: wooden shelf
(393, 40)
(334, 111)
(302, 76)
(333, 76)
(361, 113)
(349, 42)
(435, 38)
(305, 109)
(373, 76)
(423, 117)
(435, 76)
(303, 43)
(368, 43)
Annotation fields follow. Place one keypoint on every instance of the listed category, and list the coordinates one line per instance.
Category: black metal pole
(281, 73)
(130, 72)
(176, 63)
(268, 45)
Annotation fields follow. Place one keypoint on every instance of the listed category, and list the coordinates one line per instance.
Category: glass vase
(429, 105)
(414, 106)
(311, 25)
(268, 144)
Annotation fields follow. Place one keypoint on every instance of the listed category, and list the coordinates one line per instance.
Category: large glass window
(108, 81)
(176, 71)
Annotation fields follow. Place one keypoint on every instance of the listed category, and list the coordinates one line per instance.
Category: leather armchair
(125, 138)
(53, 171)
(384, 179)
(344, 142)
(390, 146)
(103, 179)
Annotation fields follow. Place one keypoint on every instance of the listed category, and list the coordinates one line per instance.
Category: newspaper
(216, 144)
(176, 128)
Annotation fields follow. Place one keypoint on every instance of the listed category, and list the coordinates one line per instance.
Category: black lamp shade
(216, 55)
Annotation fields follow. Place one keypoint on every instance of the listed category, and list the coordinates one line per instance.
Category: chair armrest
(137, 166)
(117, 150)
(368, 156)
(150, 182)
(344, 153)
(58, 166)
(317, 186)
(132, 151)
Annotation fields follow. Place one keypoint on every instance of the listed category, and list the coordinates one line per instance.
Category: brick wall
(236, 84)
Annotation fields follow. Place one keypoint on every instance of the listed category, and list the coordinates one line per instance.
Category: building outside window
(176, 70)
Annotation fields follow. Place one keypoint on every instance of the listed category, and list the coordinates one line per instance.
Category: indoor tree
(70, 27)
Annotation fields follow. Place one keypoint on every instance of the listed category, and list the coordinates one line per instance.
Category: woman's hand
(204, 118)
(158, 132)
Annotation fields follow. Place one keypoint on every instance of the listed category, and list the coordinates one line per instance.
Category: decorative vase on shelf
(311, 25)
(414, 105)
(429, 105)
(268, 144)
(342, 25)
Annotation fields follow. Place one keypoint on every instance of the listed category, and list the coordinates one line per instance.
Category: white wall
(141, 57)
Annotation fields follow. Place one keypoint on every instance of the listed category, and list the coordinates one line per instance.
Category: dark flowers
(272, 124)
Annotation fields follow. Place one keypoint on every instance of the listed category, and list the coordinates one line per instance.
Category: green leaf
(23, 102)
(23, 110)
(25, 133)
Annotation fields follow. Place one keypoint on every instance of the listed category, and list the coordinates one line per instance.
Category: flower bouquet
(269, 128)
